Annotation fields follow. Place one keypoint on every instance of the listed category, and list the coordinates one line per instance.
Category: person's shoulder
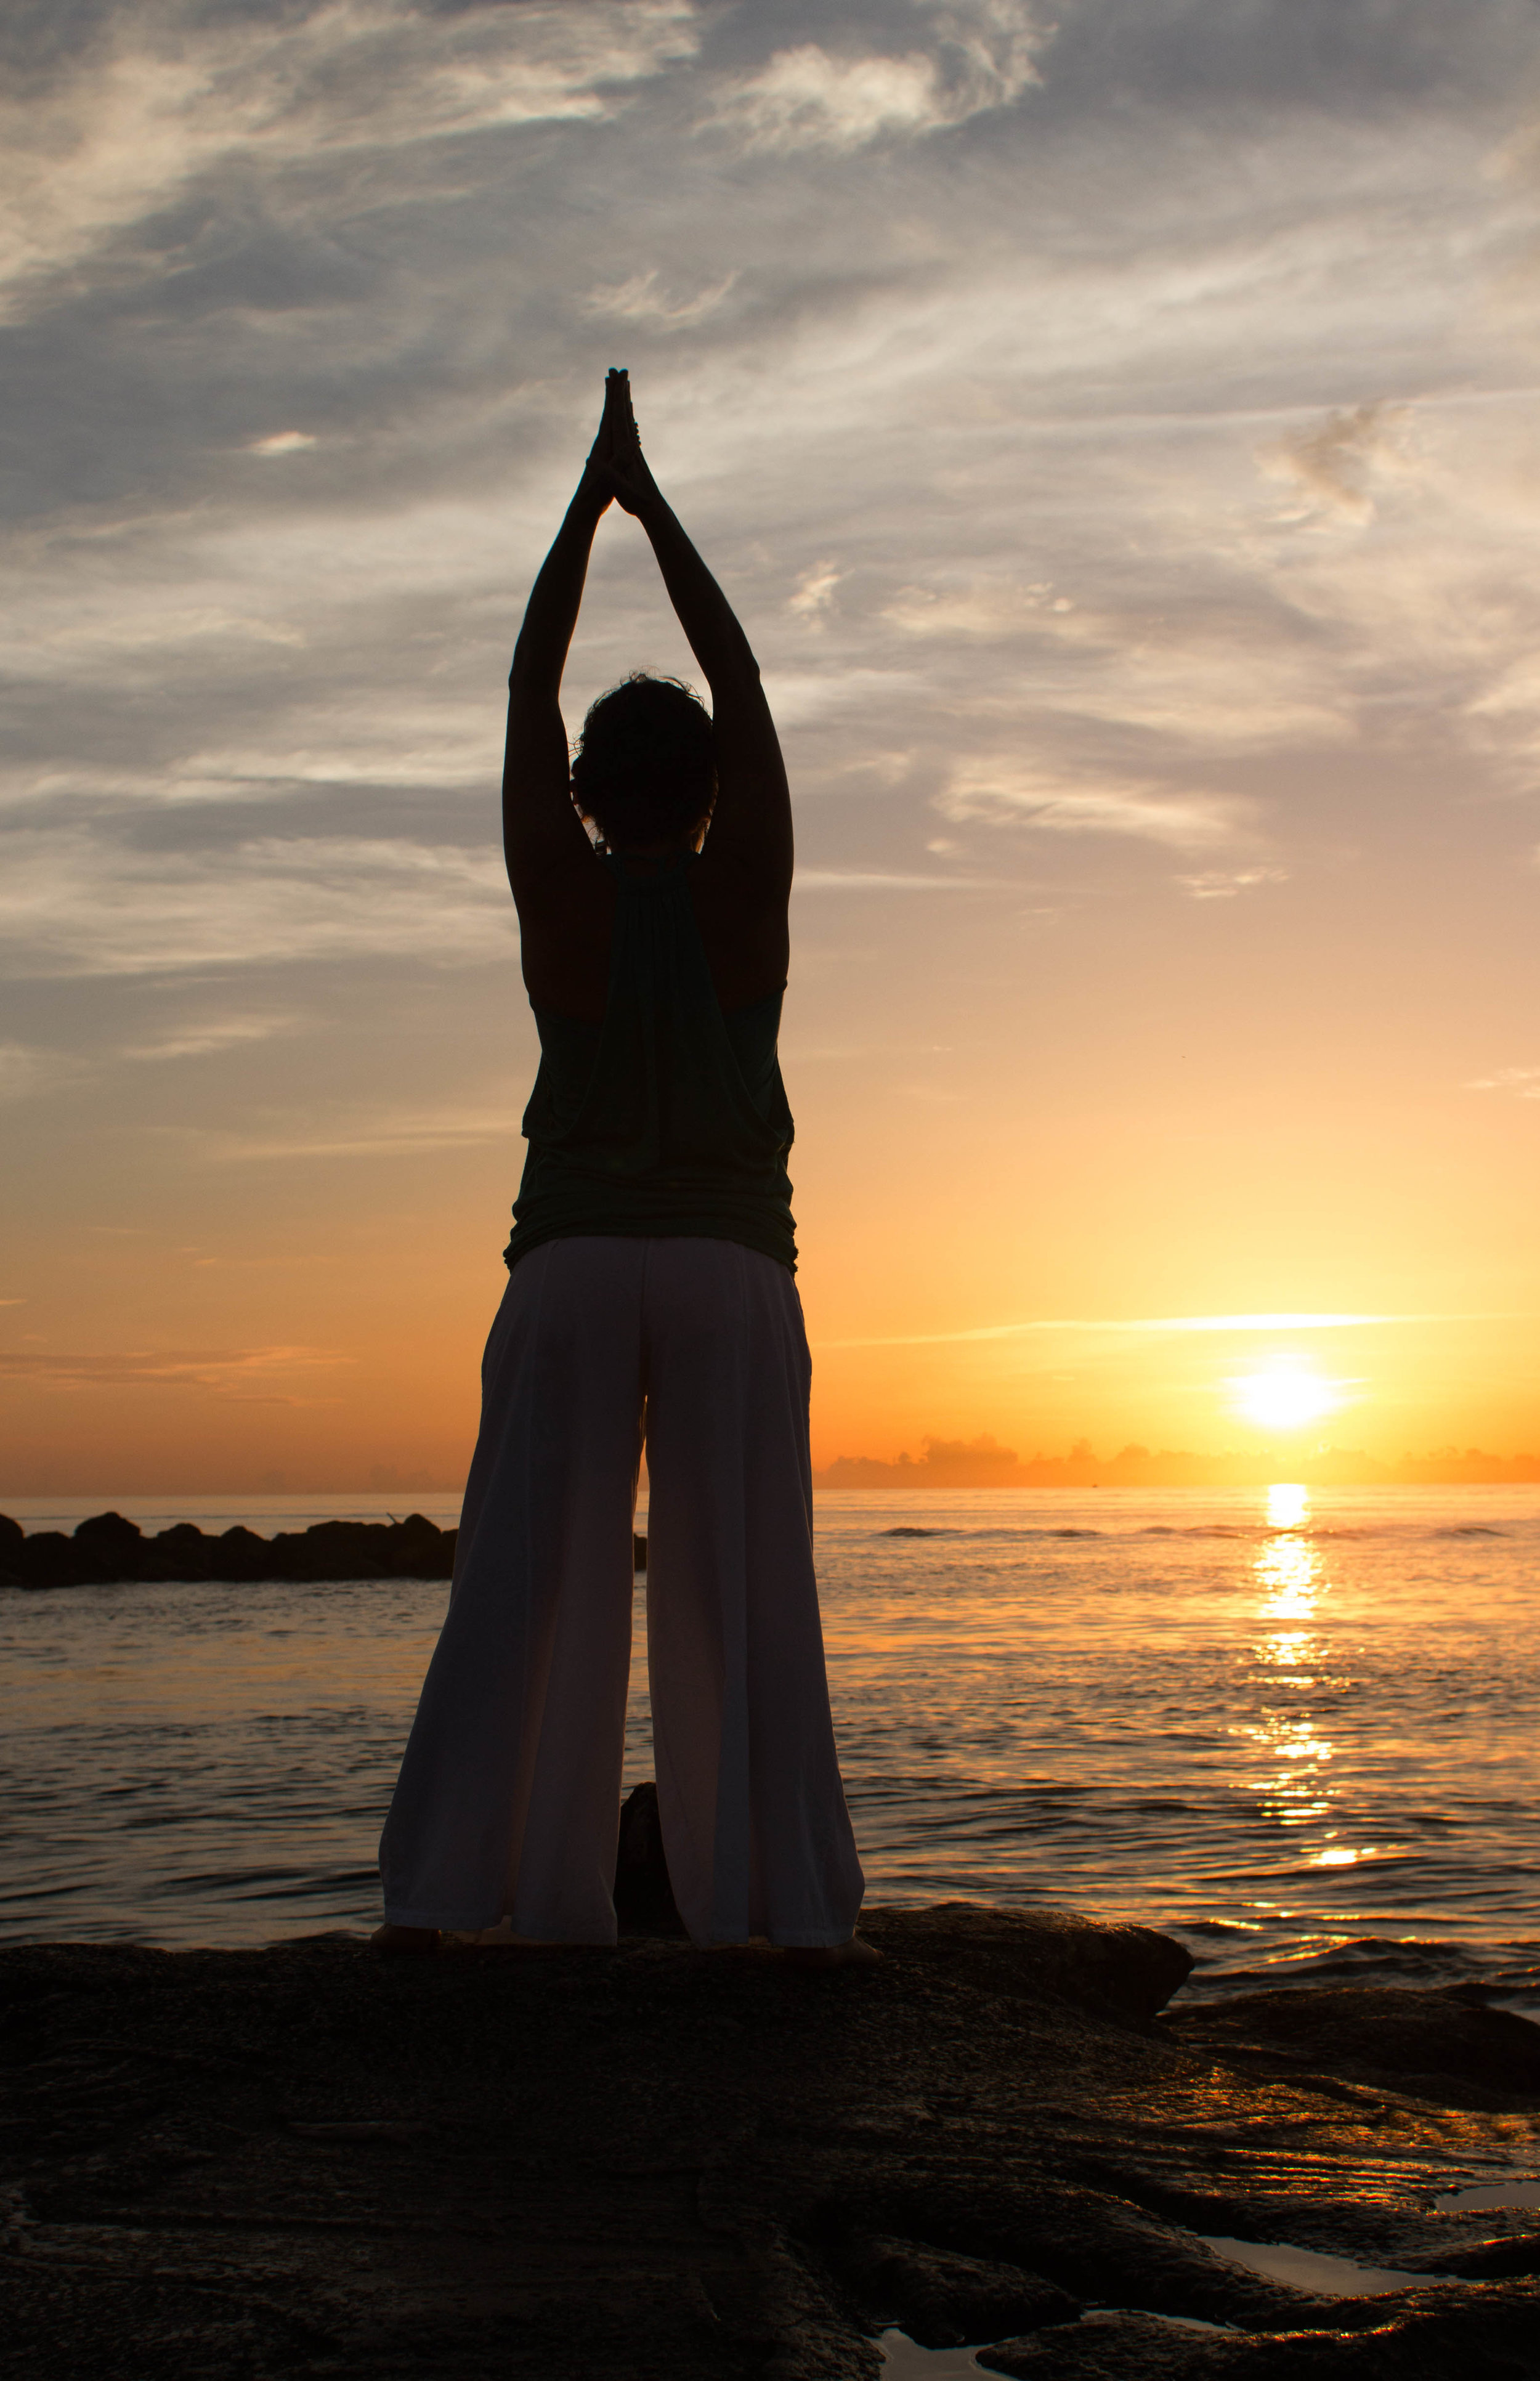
(558, 880)
(737, 881)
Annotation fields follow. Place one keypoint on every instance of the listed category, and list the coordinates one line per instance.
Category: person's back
(649, 1299)
(669, 1116)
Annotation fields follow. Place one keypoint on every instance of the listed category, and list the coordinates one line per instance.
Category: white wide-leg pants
(508, 1803)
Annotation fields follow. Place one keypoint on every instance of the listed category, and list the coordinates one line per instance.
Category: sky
(1116, 428)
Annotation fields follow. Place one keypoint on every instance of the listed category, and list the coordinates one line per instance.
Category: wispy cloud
(808, 698)
(643, 299)
(813, 594)
(166, 94)
(391, 1133)
(1001, 793)
(1335, 461)
(987, 609)
(1521, 1082)
(1159, 1326)
(26, 1070)
(78, 903)
(982, 55)
(1224, 884)
(282, 442)
(875, 880)
(248, 1374)
(204, 1039)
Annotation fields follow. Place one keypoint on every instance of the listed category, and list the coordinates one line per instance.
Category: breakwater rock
(108, 1551)
(655, 2162)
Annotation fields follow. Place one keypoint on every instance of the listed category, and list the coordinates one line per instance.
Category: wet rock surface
(657, 2162)
(1441, 2045)
(108, 1551)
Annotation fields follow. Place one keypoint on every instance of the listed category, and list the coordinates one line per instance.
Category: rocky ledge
(652, 2162)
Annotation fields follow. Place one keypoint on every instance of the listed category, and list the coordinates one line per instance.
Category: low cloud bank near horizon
(982, 1463)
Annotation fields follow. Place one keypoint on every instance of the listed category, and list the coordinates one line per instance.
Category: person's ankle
(393, 1938)
(854, 1952)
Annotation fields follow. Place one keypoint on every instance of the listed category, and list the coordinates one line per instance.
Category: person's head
(645, 768)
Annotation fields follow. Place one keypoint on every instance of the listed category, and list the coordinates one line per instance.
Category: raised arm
(751, 826)
(541, 828)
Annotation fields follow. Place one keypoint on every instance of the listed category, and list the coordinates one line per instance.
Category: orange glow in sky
(1147, 604)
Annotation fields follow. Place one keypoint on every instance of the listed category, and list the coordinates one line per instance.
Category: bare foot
(392, 1939)
(856, 1953)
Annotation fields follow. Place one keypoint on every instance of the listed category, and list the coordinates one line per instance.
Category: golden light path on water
(1293, 1591)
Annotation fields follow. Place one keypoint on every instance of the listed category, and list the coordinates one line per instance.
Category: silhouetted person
(650, 1299)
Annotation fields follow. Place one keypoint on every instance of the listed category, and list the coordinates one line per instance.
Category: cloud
(393, 1133)
(1522, 1083)
(1000, 794)
(871, 880)
(1224, 884)
(238, 1373)
(78, 903)
(200, 1041)
(282, 442)
(814, 594)
(641, 300)
(807, 698)
(164, 95)
(983, 57)
(1336, 462)
(26, 1070)
(1159, 1326)
(1231, 671)
(988, 610)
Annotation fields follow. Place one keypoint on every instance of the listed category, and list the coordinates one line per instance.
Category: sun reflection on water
(1289, 1575)
(1291, 1583)
(1288, 1505)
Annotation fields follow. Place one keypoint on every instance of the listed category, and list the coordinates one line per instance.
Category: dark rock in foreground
(107, 1551)
(644, 1902)
(653, 2162)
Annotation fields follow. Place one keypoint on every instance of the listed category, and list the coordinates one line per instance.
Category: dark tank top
(670, 1118)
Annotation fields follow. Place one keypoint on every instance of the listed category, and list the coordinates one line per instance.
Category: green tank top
(670, 1118)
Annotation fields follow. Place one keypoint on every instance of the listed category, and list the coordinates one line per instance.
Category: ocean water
(1300, 1731)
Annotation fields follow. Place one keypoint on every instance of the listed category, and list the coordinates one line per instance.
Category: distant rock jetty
(109, 1551)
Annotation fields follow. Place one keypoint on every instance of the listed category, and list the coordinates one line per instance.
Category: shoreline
(700, 2167)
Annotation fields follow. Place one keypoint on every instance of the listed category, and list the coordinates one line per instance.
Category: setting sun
(1286, 1396)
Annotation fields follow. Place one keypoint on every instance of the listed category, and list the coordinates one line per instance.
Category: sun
(1286, 1396)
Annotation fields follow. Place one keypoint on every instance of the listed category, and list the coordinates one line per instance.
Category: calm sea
(1299, 1731)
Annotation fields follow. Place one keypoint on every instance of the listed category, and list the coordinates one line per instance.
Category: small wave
(1203, 1530)
(914, 1530)
(1404, 1960)
(1224, 1532)
(1248, 1532)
